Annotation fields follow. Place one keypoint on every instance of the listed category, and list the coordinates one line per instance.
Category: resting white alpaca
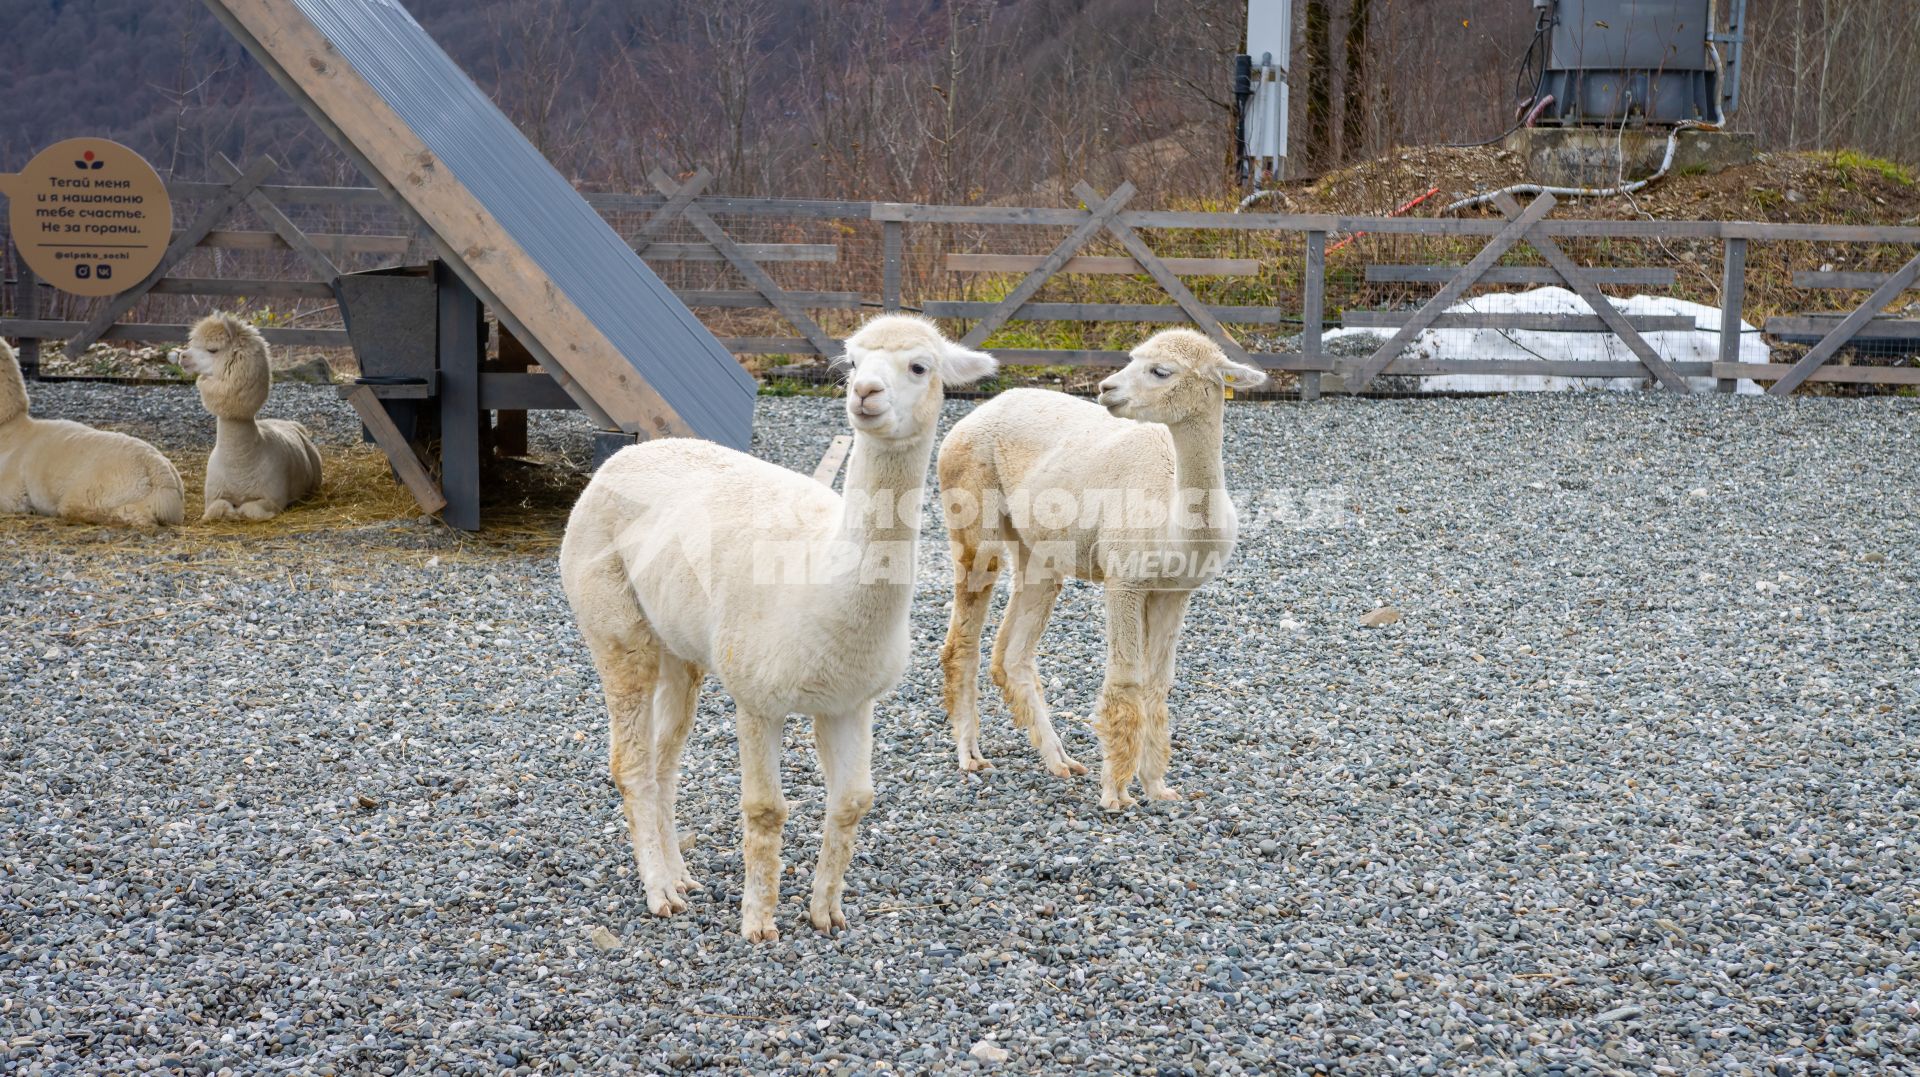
(680, 559)
(1054, 486)
(52, 467)
(258, 466)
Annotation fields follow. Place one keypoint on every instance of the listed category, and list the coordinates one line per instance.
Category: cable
(1527, 99)
(1673, 143)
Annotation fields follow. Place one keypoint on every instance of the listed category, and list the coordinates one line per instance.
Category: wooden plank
(516, 394)
(743, 298)
(671, 210)
(831, 460)
(1841, 280)
(291, 194)
(1823, 233)
(290, 234)
(1103, 312)
(723, 205)
(759, 252)
(1102, 264)
(239, 286)
(1837, 338)
(1733, 301)
(109, 310)
(1589, 292)
(892, 246)
(743, 263)
(406, 463)
(1857, 375)
(1313, 313)
(1535, 323)
(26, 303)
(510, 415)
(148, 332)
(337, 246)
(1169, 281)
(1551, 368)
(1882, 327)
(1469, 274)
(773, 346)
(1099, 211)
(1531, 275)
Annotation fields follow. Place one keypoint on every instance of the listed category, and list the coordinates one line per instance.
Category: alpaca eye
(1162, 372)
(919, 369)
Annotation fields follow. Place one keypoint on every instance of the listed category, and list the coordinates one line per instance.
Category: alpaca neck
(1196, 463)
(13, 388)
(236, 433)
(883, 478)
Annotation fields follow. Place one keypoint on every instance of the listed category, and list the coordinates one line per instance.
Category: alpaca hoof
(827, 917)
(1116, 802)
(665, 902)
(1165, 792)
(216, 510)
(975, 764)
(1066, 767)
(685, 885)
(758, 929)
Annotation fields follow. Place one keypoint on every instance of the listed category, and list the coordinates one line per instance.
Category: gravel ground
(1630, 787)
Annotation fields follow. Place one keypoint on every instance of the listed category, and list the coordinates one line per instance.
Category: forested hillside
(963, 100)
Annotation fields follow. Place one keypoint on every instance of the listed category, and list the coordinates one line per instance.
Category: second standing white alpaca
(1052, 486)
(258, 466)
(683, 558)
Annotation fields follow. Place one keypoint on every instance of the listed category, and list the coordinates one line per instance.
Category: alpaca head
(230, 357)
(1175, 375)
(898, 366)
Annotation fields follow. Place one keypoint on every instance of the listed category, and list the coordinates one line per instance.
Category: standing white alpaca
(1053, 486)
(258, 466)
(53, 467)
(681, 558)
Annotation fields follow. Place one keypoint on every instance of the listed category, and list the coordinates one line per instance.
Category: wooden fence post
(26, 305)
(1313, 312)
(1733, 296)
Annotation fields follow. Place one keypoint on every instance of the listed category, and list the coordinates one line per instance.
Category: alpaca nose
(864, 389)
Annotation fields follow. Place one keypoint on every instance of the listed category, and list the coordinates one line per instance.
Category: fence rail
(809, 265)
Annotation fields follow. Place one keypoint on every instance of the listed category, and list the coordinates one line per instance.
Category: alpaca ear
(964, 366)
(1239, 375)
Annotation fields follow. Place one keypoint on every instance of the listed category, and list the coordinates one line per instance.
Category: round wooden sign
(90, 216)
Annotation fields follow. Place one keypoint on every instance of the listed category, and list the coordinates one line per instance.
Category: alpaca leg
(1025, 622)
(674, 700)
(218, 509)
(259, 509)
(1120, 713)
(974, 571)
(628, 670)
(1165, 612)
(845, 743)
(763, 812)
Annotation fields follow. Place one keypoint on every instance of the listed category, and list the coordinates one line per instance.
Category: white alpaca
(52, 467)
(683, 558)
(1053, 486)
(258, 466)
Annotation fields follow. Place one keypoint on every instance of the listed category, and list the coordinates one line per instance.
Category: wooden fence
(685, 209)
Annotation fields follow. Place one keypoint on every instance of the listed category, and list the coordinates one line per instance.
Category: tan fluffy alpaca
(52, 467)
(1127, 493)
(258, 466)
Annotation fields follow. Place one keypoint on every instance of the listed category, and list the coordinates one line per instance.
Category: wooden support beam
(459, 325)
(1733, 301)
(336, 246)
(1103, 312)
(892, 254)
(675, 206)
(152, 333)
(247, 288)
(1313, 311)
(795, 315)
(835, 455)
(1884, 327)
(1596, 299)
(1532, 323)
(1098, 213)
(1366, 370)
(283, 227)
(1855, 375)
(1109, 265)
(1533, 275)
(1168, 281)
(406, 463)
(1899, 282)
(110, 310)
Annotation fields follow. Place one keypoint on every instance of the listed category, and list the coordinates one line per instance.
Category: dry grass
(524, 515)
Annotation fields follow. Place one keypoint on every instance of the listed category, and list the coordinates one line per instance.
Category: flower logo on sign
(87, 161)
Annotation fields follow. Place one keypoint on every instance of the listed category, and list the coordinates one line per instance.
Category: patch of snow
(1701, 345)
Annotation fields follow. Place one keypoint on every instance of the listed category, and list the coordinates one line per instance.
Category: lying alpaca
(1053, 486)
(680, 559)
(52, 467)
(258, 466)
